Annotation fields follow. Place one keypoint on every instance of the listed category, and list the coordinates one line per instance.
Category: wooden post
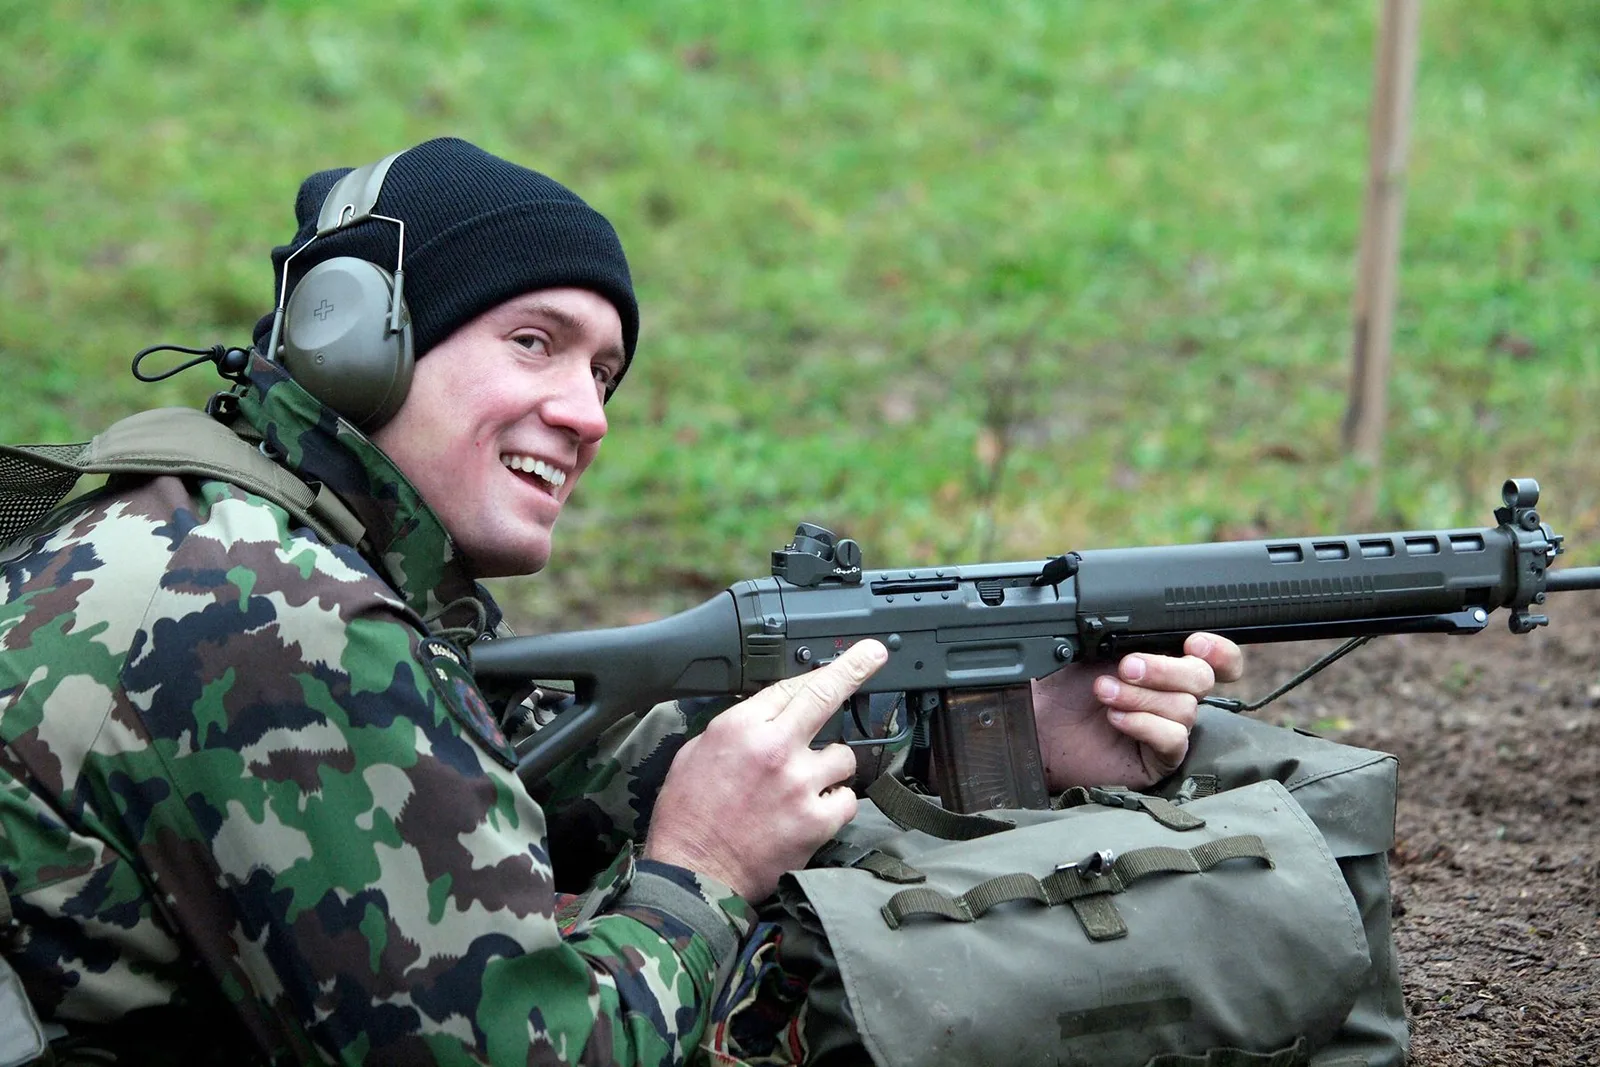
(1378, 262)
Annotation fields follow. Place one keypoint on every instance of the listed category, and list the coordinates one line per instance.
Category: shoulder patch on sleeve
(446, 667)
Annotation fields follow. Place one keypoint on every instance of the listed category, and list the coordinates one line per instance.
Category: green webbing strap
(178, 441)
(1169, 814)
(1075, 797)
(837, 853)
(1100, 918)
(909, 811)
(889, 868)
(1160, 809)
(1071, 885)
(1295, 1055)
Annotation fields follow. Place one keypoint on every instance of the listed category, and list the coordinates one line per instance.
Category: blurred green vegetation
(961, 279)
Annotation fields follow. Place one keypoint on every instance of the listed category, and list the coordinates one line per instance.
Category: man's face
(501, 419)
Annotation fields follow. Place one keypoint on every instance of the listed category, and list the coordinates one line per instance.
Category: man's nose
(576, 404)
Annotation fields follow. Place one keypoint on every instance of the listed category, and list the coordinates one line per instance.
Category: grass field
(982, 279)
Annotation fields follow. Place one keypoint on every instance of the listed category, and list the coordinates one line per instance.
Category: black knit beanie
(479, 231)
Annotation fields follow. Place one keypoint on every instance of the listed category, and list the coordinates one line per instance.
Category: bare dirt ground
(1496, 868)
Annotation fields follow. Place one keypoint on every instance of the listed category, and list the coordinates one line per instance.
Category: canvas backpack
(1237, 915)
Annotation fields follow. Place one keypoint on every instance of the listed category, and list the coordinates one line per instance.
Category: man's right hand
(749, 798)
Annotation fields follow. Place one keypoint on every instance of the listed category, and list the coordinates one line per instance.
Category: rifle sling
(909, 811)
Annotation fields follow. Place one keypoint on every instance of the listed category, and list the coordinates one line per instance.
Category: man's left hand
(1129, 726)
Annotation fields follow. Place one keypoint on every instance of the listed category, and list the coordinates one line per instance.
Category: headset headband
(353, 197)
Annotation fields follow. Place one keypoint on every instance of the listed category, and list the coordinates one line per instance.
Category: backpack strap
(1160, 809)
(177, 441)
(837, 853)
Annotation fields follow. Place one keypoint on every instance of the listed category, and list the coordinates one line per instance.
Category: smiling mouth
(547, 476)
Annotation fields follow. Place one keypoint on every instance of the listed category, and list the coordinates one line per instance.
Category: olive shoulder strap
(179, 441)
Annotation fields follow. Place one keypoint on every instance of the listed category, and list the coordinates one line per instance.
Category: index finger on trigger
(815, 696)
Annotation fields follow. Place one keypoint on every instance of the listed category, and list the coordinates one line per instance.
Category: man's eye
(603, 374)
(532, 342)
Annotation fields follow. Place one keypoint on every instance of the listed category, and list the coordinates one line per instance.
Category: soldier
(253, 805)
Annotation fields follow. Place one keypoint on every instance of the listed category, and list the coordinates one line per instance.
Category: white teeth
(554, 475)
(537, 467)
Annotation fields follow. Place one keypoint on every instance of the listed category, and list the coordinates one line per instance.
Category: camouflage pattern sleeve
(601, 800)
(268, 768)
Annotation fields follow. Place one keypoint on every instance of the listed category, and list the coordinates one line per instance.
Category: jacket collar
(405, 541)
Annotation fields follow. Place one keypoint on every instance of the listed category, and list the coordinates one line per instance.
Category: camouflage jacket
(244, 791)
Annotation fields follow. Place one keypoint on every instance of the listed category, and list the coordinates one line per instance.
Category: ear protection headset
(345, 333)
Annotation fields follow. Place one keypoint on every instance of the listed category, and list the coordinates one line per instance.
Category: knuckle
(720, 727)
(772, 755)
(819, 689)
(1190, 674)
(1163, 735)
(1138, 698)
(782, 692)
(1159, 671)
(1175, 706)
(855, 673)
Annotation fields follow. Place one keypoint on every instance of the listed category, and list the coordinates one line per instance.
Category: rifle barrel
(1569, 579)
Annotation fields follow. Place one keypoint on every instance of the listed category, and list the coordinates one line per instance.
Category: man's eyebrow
(567, 321)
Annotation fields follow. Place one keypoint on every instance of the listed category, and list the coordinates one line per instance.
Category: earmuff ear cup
(337, 343)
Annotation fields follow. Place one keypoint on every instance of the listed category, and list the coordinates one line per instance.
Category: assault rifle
(965, 641)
